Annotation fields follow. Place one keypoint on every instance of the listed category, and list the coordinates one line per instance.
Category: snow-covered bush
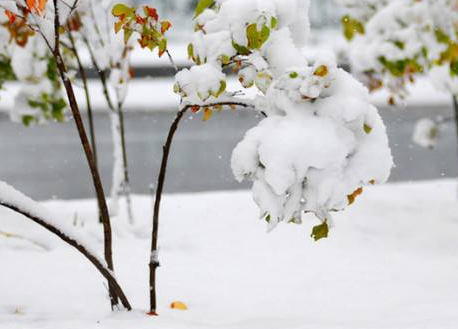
(25, 57)
(393, 41)
(322, 141)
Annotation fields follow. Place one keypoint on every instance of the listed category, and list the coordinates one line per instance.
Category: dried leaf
(179, 306)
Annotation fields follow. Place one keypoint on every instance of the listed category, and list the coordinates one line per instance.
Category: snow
(322, 139)
(426, 133)
(400, 39)
(310, 156)
(11, 197)
(390, 262)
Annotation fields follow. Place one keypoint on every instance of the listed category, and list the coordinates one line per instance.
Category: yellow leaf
(321, 71)
(179, 306)
(207, 114)
(352, 197)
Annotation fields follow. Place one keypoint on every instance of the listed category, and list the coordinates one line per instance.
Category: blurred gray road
(47, 161)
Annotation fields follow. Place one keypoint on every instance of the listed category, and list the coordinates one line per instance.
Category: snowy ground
(390, 262)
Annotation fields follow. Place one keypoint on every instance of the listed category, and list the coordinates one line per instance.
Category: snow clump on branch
(322, 140)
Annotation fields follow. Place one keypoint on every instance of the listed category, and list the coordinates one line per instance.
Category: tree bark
(90, 115)
(87, 151)
(455, 110)
(154, 255)
(84, 79)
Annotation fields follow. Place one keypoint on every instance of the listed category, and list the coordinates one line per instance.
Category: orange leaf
(179, 306)
(42, 5)
(33, 6)
(207, 114)
(165, 26)
(352, 197)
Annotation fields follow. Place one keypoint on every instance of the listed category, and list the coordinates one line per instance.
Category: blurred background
(47, 162)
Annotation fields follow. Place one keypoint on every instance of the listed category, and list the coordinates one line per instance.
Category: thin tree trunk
(154, 255)
(455, 109)
(83, 75)
(84, 79)
(106, 273)
(126, 185)
(87, 151)
(117, 173)
(125, 188)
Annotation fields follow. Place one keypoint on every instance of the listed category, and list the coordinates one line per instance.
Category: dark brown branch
(154, 260)
(101, 73)
(84, 79)
(87, 151)
(106, 273)
(455, 108)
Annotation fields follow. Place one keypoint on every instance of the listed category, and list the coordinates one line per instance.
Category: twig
(87, 150)
(154, 260)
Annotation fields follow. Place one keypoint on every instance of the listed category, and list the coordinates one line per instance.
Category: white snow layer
(322, 140)
(11, 197)
(389, 263)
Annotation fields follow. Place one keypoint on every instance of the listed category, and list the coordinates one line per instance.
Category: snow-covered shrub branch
(27, 58)
(47, 19)
(16, 201)
(393, 41)
(322, 141)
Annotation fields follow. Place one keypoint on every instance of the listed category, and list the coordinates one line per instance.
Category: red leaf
(11, 16)
(152, 12)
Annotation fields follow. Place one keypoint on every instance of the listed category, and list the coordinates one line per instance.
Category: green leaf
(351, 27)
(58, 108)
(257, 38)
(162, 46)
(454, 68)
(273, 22)
(6, 70)
(320, 231)
(367, 128)
(202, 5)
(222, 88)
(120, 9)
(441, 36)
(27, 120)
(127, 35)
(191, 51)
(242, 50)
